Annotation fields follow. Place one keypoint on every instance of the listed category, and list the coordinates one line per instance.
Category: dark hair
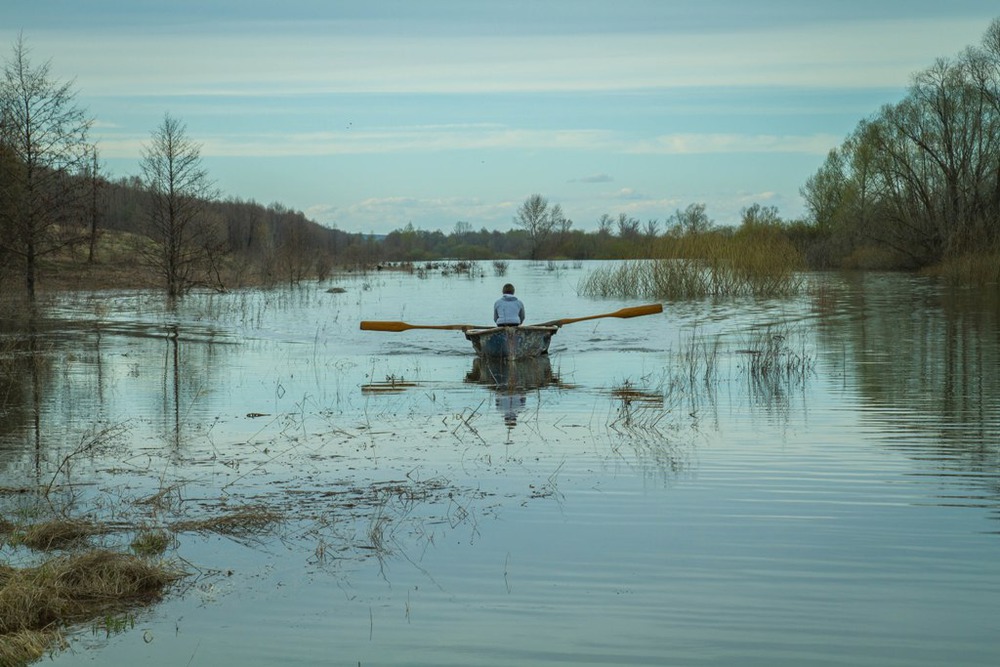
(508, 289)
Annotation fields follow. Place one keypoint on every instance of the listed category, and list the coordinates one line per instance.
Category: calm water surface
(652, 493)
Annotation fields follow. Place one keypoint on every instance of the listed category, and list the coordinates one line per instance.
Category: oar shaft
(374, 325)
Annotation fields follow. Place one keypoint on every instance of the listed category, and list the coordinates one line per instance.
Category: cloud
(596, 178)
(281, 58)
(385, 214)
(679, 144)
(416, 139)
(627, 194)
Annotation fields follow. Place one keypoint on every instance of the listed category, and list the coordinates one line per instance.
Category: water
(649, 496)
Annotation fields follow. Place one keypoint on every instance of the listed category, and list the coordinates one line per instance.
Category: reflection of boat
(511, 379)
(511, 342)
(512, 374)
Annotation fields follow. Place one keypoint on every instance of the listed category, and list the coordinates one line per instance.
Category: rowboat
(511, 342)
(523, 342)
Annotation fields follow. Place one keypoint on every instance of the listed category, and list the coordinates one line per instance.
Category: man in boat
(508, 311)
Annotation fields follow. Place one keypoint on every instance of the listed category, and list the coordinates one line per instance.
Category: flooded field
(813, 481)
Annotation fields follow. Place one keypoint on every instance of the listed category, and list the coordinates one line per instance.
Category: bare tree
(652, 228)
(628, 227)
(43, 135)
(535, 218)
(96, 185)
(692, 220)
(757, 215)
(604, 225)
(179, 193)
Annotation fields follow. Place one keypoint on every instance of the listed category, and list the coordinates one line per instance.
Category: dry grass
(26, 646)
(36, 601)
(93, 585)
(78, 587)
(756, 263)
(58, 534)
(975, 269)
(242, 522)
(151, 542)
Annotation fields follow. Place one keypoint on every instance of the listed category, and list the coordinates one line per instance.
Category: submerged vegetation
(36, 601)
(78, 586)
(71, 558)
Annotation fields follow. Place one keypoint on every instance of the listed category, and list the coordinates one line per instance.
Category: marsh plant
(94, 443)
(974, 268)
(151, 542)
(90, 586)
(638, 408)
(748, 263)
(699, 360)
(777, 361)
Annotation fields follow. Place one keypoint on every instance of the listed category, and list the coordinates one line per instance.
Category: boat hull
(511, 342)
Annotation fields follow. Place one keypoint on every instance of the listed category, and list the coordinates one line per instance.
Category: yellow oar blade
(634, 311)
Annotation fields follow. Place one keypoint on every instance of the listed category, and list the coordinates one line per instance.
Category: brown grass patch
(25, 646)
(36, 601)
(59, 534)
(241, 522)
(78, 587)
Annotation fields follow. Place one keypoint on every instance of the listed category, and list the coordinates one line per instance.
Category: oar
(634, 311)
(372, 325)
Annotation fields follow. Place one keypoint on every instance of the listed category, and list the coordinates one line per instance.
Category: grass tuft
(246, 521)
(58, 534)
(25, 646)
(36, 601)
(151, 542)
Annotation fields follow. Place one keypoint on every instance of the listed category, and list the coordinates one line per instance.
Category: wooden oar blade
(638, 311)
(633, 311)
(384, 326)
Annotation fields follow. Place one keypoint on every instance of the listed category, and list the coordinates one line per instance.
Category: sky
(369, 115)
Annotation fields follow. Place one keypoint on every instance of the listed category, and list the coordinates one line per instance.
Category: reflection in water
(59, 377)
(391, 385)
(923, 356)
(511, 380)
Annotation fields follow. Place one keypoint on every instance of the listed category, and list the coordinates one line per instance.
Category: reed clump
(26, 646)
(58, 534)
(36, 601)
(977, 269)
(151, 542)
(753, 261)
(241, 522)
(776, 362)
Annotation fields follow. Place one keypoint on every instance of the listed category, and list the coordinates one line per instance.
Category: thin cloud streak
(438, 139)
(329, 59)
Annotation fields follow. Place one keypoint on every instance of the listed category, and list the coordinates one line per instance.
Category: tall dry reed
(754, 262)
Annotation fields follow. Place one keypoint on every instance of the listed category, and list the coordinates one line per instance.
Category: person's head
(508, 289)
